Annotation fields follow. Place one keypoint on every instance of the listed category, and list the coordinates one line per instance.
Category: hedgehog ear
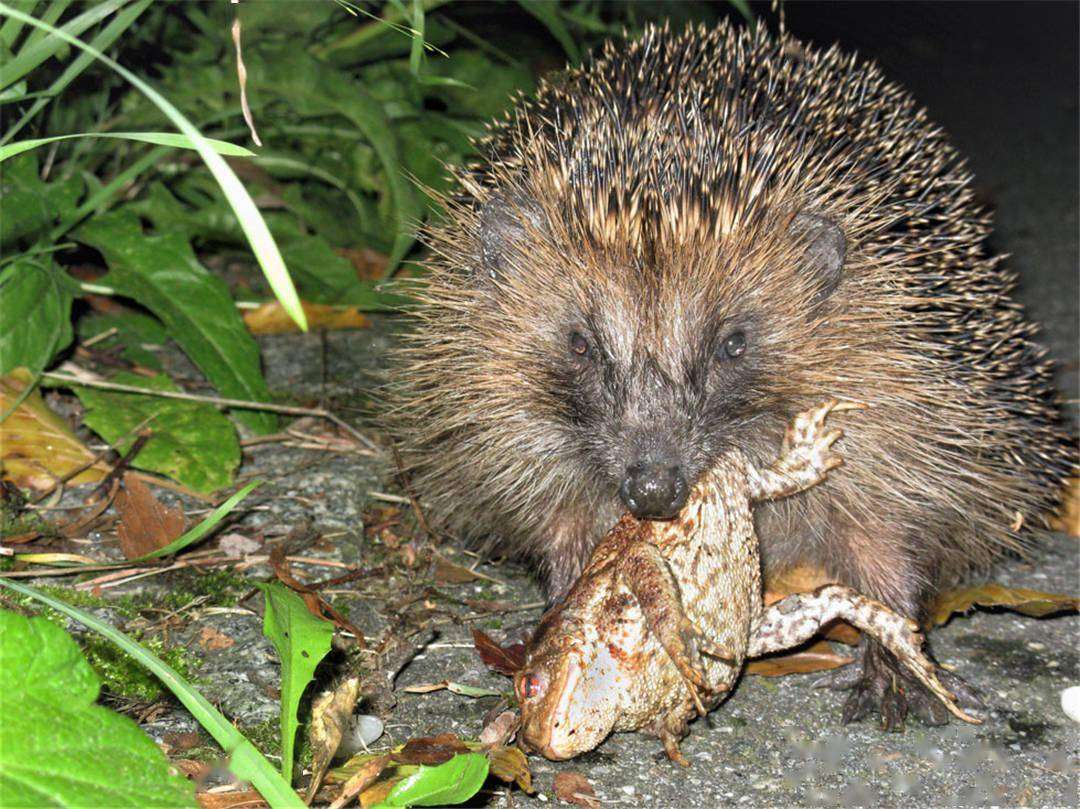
(505, 220)
(826, 249)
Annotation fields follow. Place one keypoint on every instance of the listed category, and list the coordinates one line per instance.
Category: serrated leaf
(444, 785)
(162, 273)
(191, 443)
(301, 640)
(28, 205)
(57, 747)
(37, 448)
(35, 314)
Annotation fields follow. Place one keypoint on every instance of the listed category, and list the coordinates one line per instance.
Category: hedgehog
(662, 256)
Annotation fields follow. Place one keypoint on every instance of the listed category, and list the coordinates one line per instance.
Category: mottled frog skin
(658, 626)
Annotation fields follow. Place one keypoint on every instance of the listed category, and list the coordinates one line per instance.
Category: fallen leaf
(330, 715)
(316, 604)
(270, 318)
(505, 660)
(1017, 599)
(819, 656)
(37, 448)
(146, 524)
(799, 579)
(179, 742)
(359, 782)
(430, 750)
(454, 688)
(370, 265)
(509, 764)
(447, 572)
(213, 640)
(500, 730)
(1068, 517)
(573, 787)
(246, 798)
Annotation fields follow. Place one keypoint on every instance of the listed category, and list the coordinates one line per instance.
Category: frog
(657, 628)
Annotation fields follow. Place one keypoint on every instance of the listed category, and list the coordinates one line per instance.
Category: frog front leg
(797, 618)
(644, 571)
(805, 455)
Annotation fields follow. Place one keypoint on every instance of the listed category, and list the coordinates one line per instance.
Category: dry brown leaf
(1068, 517)
(430, 750)
(213, 640)
(146, 523)
(573, 787)
(509, 764)
(370, 265)
(36, 446)
(1017, 599)
(800, 579)
(270, 318)
(819, 656)
(447, 572)
(330, 714)
(505, 660)
(360, 781)
(376, 793)
(245, 798)
(500, 730)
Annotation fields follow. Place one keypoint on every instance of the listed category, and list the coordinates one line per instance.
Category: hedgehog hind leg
(881, 685)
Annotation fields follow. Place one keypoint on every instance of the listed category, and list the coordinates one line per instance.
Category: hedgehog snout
(654, 490)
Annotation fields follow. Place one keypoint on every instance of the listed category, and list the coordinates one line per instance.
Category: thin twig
(288, 410)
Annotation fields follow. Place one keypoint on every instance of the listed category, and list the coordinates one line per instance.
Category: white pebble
(1070, 702)
(368, 729)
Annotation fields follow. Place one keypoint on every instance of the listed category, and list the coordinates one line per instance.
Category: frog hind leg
(643, 570)
(671, 729)
(798, 617)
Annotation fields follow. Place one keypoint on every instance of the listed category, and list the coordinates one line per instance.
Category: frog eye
(530, 686)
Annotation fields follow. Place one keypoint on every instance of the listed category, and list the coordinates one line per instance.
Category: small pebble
(1070, 702)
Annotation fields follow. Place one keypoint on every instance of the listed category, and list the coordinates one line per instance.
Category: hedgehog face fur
(644, 373)
(673, 250)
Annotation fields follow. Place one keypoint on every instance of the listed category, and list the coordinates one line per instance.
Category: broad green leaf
(548, 14)
(301, 640)
(245, 761)
(132, 333)
(156, 138)
(162, 273)
(447, 784)
(28, 205)
(191, 442)
(262, 243)
(35, 314)
(57, 748)
(193, 535)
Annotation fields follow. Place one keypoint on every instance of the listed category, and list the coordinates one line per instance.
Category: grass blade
(157, 138)
(193, 535)
(245, 761)
(251, 221)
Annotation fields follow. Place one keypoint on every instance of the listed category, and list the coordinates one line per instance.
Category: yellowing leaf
(1016, 599)
(270, 318)
(36, 446)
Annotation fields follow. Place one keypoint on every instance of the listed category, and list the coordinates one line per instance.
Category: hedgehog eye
(735, 345)
(578, 344)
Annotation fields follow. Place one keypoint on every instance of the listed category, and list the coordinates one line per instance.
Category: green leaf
(163, 274)
(156, 138)
(262, 243)
(245, 762)
(28, 205)
(191, 442)
(132, 333)
(35, 314)
(449, 783)
(301, 640)
(193, 535)
(548, 14)
(57, 748)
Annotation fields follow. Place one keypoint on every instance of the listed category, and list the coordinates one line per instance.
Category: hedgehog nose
(654, 491)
